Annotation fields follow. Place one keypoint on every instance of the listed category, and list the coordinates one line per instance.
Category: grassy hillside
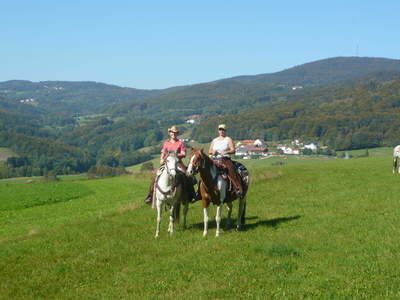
(323, 228)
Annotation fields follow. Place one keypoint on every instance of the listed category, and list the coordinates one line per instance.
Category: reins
(174, 185)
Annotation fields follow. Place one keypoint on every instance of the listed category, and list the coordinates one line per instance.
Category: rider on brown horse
(177, 146)
(220, 149)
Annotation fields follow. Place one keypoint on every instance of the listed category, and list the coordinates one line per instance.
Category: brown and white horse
(169, 189)
(214, 189)
(396, 157)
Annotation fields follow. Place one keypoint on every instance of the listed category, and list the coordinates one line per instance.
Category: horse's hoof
(204, 234)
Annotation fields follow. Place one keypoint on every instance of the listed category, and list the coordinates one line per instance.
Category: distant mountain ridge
(86, 97)
(232, 95)
(83, 97)
(324, 71)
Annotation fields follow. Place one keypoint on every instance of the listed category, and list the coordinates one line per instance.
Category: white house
(297, 87)
(289, 150)
(311, 146)
(251, 147)
(297, 142)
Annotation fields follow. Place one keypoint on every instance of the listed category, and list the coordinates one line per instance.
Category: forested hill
(324, 71)
(68, 127)
(70, 97)
(365, 114)
(242, 93)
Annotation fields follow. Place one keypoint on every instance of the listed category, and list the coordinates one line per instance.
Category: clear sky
(159, 44)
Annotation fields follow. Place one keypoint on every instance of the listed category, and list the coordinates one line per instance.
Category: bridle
(200, 163)
(170, 178)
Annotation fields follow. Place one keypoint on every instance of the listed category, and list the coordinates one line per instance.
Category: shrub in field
(51, 176)
(147, 166)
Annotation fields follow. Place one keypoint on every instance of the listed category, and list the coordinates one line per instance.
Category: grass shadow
(274, 223)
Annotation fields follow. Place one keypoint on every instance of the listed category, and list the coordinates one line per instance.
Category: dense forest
(71, 127)
(352, 117)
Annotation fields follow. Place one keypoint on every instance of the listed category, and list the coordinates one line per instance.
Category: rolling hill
(233, 95)
(71, 97)
(345, 102)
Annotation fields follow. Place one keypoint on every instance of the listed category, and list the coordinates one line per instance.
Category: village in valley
(253, 149)
(259, 149)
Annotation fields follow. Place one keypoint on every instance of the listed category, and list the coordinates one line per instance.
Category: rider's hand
(162, 161)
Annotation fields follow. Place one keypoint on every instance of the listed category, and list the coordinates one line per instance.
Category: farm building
(251, 148)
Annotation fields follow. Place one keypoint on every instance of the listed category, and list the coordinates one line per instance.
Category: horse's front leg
(218, 219)
(171, 220)
(222, 195)
(205, 211)
(159, 210)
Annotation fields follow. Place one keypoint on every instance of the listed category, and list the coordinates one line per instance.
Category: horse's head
(170, 163)
(195, 161)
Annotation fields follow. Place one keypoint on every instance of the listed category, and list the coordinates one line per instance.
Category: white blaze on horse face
(171, 165)
(396, 151)
(189, 170)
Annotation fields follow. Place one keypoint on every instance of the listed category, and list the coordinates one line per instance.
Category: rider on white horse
(172, 145)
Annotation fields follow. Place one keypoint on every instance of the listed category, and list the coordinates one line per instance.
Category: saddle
(228, 170)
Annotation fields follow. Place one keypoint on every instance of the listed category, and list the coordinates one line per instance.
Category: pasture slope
(316, 228)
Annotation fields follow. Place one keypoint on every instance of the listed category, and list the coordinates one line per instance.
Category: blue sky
(159, 44)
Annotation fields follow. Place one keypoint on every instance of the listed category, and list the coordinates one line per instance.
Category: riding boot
(234, 178)
(197, 195)
(149, 198)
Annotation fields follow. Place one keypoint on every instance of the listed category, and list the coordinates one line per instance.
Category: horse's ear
(191, 149)
(202, 150)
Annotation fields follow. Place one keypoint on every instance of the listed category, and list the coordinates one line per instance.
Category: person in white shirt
(222, 145)
(220, 149)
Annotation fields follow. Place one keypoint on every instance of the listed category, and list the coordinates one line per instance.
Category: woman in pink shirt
(173, 144)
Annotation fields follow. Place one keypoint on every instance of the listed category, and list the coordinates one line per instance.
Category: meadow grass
(316, 228)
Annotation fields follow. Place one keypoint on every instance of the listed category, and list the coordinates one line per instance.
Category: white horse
(169, 190)
(396, 156)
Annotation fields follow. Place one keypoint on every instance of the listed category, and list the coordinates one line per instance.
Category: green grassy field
(316, 228)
